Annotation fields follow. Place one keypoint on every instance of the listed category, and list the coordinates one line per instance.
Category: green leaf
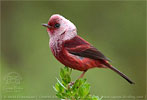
(62, 73)
(86, 89)
(65, 75)
(60, 96)
(57, 87)
(95, 98)
(61, 83)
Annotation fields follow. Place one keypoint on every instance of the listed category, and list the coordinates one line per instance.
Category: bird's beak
(46, 25)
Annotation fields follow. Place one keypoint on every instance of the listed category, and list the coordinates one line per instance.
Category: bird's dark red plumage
(80, 47)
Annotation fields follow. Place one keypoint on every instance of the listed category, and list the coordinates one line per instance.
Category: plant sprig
(79, 90)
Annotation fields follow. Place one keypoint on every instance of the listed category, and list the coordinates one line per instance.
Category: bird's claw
(71, 84)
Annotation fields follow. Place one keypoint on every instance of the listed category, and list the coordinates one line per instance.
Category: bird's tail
(118, 72)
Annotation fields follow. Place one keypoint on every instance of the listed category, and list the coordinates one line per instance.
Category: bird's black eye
(57, 25)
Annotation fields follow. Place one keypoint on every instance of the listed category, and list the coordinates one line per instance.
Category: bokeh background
(117, 28)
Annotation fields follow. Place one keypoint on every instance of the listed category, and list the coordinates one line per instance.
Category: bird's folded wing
(83, 49)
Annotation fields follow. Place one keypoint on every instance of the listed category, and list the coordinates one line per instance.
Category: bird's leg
(81, 76)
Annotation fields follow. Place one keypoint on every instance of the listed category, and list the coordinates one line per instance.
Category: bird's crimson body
(73, 51)
(71, 60)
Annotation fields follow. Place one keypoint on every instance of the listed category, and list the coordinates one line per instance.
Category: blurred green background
(117, 28)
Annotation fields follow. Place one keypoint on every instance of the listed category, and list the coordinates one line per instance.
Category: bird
(72, 50)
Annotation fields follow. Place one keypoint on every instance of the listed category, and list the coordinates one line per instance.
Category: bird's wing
(78, 46)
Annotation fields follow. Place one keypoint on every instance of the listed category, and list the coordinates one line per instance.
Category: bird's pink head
(57, 25)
